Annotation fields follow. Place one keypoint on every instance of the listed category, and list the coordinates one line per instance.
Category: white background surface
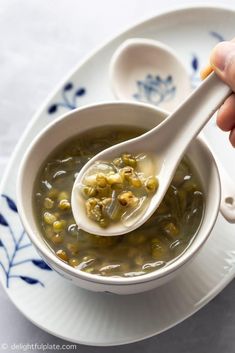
(40, 41)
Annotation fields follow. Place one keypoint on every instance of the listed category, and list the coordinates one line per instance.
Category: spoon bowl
(148, 71)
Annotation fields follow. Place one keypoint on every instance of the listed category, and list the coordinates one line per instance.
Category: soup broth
(163, 238)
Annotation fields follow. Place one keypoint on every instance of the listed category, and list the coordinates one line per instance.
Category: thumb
(223, 62)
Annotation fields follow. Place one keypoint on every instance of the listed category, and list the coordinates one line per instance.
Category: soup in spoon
(119, 190)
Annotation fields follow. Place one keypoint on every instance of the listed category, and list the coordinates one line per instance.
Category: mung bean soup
(118, 190)
(164, 237)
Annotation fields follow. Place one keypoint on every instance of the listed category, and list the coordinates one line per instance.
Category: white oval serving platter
(103, 319)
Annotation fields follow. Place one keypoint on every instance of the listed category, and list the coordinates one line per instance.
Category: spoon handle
(194, 113)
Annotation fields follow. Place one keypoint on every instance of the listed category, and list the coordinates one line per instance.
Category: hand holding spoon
(168, 142)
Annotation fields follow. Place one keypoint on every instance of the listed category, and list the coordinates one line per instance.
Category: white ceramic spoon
(148, 71)
(131, 64)
(168, 142)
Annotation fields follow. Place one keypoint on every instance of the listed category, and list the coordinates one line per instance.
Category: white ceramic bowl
(118, 113)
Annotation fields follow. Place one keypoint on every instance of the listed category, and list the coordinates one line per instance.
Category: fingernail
(222, 54)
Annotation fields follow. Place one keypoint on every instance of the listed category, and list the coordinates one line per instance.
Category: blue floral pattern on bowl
(69, 98)
(155, 89)
(19, 242)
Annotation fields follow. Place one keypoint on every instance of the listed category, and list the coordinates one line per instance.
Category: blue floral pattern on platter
(70, 95)
(195, 63)
(155, 89)
(19, 242)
